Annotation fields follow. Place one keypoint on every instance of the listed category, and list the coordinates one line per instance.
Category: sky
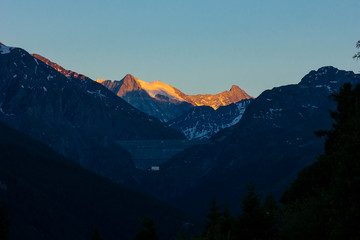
(197, 46)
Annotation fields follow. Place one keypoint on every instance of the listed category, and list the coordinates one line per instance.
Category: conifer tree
(357, 55)
(324, 201)
(227, 224)
(4, 224)
(251, 219)
(212, 230)
(95, 235)
(148, 231)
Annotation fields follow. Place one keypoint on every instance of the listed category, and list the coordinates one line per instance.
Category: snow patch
(157, 87)
(96, 93)
(4, 49)
(100, 80)
(6, 114)
(272, 110)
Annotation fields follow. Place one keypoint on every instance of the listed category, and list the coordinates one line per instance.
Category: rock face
(158, 99)
(166, 102)
(196, 116)
(225, 98)
(202, 122)
(74, 115)
(270, 144)
(67, 73)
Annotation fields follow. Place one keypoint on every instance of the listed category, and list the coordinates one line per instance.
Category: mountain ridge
(158, 101)
(235, 94)
(272, 142)
(77, 117)
(57, 67)
(202, 122)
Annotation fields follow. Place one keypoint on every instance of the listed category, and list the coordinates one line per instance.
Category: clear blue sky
(197, 46)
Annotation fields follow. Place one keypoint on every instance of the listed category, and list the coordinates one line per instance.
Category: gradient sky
(196, 46)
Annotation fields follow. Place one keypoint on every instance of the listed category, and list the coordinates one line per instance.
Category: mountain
(270, 144)
(74, 115)
(202, 122)
(235, 95)
(51, 197)
(156, 99)
(166, 102)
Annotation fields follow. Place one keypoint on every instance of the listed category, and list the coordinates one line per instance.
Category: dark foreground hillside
(51, 197)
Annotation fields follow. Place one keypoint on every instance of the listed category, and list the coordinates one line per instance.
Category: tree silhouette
(148, 231)
(95, 235)
(357, 55)
(4, 224)
(256, 220)
(324, 201)
(212, 229)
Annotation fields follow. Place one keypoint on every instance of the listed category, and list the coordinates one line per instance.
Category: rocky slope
(203, 122)
(166, 102)
(156, 99)
(225, 98)
(74, 115)
(66, 72)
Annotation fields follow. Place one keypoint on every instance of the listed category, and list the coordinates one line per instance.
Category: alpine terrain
(202, 122)
(268, 146)
(73, 114)
(196, 116)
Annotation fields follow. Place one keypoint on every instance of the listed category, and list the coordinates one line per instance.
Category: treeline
(257, 220)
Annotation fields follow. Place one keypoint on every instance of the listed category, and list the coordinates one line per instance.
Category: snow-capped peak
(4, 49)
(100, 80)
(158, 87)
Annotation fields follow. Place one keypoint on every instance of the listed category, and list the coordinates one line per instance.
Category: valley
(149, 154)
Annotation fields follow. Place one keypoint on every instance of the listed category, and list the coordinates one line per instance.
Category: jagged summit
(156, 98)
(224, 98)
(129, 76)
(128, 84)
(235, 88)
(160, 90)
